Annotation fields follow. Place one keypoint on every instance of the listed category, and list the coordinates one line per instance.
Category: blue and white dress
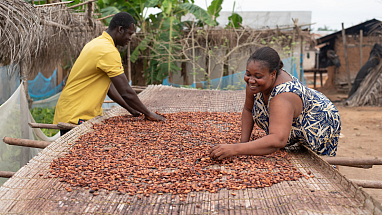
(318, 126)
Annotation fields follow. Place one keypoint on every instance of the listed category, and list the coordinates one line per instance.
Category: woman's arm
(246, 117)
(282, 109)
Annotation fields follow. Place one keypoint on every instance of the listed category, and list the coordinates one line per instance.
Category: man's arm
(130, 97)
(114, 95)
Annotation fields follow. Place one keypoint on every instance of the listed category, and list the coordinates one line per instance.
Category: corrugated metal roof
(367, 28)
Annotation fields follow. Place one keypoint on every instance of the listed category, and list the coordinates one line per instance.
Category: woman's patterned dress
(318, 125)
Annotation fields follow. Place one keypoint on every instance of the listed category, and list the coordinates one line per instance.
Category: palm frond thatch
(370, 91)
(36, 36)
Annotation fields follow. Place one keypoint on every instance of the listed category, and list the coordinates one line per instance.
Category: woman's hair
(269, 58)
(121, 19)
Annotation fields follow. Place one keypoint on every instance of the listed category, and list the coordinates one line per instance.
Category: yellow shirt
(89, 81)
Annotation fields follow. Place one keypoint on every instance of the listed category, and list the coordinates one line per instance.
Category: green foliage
(234, 21)
(162, 34)
(199, 13)
(141, 47)
(46, 116)
(326, 28)
(214, 9)
(162, 30)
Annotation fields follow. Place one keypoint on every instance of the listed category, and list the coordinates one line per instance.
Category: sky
(324, 12)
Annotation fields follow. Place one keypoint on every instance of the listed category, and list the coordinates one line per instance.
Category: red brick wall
(353, 55)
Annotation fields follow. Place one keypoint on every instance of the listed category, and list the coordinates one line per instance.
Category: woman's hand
(222, 151)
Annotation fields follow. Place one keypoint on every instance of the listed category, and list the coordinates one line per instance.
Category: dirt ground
(361, 137)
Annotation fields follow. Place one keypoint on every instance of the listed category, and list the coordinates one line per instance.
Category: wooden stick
(41, 125)
(129, 63)
(24, 110)
(66, 126)
(102, 18)
(5, 174)
(193, 54)
(108, 101)
(302, 59)
(85, 14)
(80, 4)
(26, 142)
(367, 183)
(50, 23)
(348, 161)
(346, 55)
(54, 4)
(360, 48)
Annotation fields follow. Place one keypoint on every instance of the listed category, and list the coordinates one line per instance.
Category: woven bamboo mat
(327, 193)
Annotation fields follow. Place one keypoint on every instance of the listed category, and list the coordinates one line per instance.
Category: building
(371, 35)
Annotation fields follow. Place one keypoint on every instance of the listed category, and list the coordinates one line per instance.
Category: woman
(287, 111)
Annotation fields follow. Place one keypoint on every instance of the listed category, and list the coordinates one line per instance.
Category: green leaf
(152, 3)
(199, 13)
(234, 19)
(109, 10)
(166, 7)
(215, 8)
(141, 47)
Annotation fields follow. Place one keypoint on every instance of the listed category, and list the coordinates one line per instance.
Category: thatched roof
(36, 35)
(370, 91)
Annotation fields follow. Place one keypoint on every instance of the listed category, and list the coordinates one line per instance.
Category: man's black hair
(121, 19)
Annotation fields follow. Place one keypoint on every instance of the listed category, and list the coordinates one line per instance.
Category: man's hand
(222, 151)
(155, 117)
(134, 112)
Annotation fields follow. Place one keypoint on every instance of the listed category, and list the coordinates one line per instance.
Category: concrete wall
(237, 62)
(309, 59)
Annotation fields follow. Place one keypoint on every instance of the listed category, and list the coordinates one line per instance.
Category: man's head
(121, 27)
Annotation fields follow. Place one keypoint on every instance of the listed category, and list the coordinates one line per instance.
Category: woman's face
(258, 78)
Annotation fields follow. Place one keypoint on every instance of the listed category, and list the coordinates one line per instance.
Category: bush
(45, 115)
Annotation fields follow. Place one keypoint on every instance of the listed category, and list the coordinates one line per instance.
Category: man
(97, 71)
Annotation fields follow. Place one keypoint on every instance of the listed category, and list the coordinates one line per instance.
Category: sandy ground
(361, 137)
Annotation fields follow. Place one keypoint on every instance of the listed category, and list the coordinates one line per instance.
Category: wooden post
(346, 55)
(5, 174)
(360, 48)
(24, 154)
(292, 45)
(129, 63)
(193, 54)
(367, 183)
(170, 76)
(302, 59)
(349, 161)
(90, 14)
(26, 142)
(209, 59)
(184, 71)
(42, 125)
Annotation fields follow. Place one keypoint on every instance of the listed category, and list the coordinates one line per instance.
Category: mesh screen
(328, 192)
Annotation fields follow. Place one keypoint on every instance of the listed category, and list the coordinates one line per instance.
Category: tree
(162, 34)
(326, 28)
